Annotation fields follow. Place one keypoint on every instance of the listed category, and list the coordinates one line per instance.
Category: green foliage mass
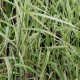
(39, 39)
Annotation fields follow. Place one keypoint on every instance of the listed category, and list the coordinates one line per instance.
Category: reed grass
(39, 40)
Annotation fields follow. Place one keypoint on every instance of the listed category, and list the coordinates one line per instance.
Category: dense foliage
(40, 39)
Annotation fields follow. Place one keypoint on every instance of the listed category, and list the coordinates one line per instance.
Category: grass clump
(40, 40)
